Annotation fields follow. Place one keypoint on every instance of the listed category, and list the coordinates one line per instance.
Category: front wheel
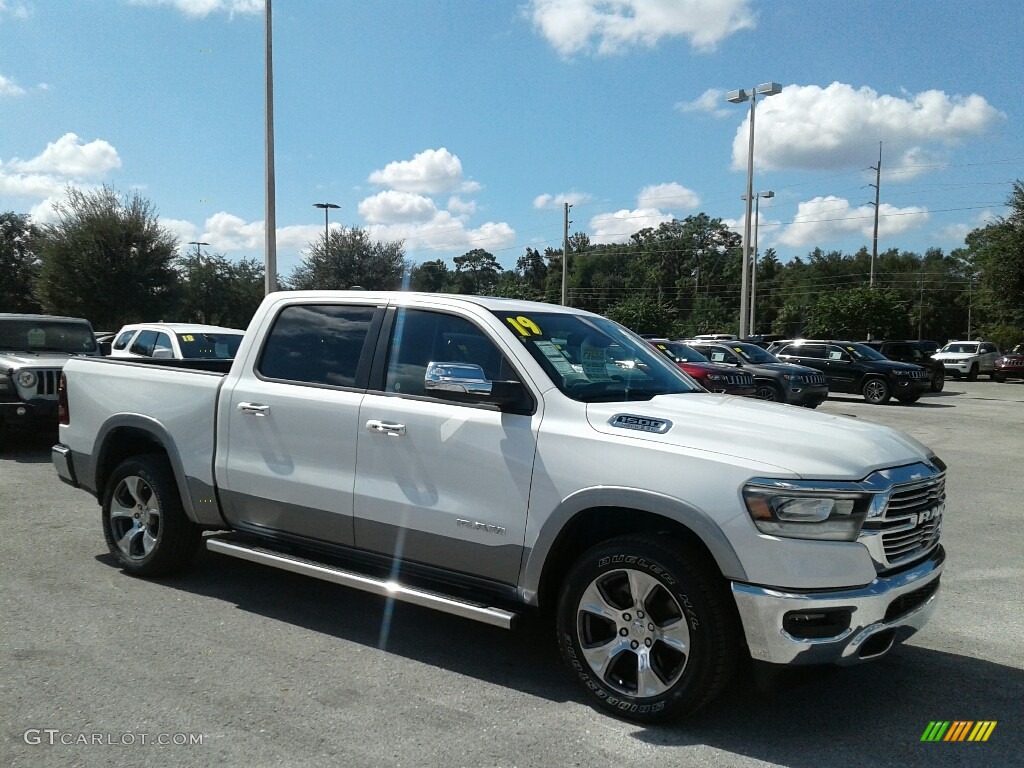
(769, 391)
(144, 523)
(972, 375)
(646, 629)
(938, 380)
(876, 391)
(1000, 377)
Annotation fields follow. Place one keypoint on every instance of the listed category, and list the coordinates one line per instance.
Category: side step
(478, 612)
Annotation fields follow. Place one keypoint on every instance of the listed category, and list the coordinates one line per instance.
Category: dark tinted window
(123, 339)
(316, 344)
(422, 337)
(209, 345)
(46, 335)
(804, 350)
(144, 344)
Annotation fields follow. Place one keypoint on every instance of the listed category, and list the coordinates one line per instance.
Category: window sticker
(595, 364)
(557, 358)
(188, 337)
(524, 326)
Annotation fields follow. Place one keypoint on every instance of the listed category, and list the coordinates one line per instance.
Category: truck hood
(954, 356)
(801, 442)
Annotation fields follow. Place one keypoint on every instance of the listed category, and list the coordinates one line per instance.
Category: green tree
(642, 314)
(860, 313)
(430, 277)
(476, 272)
(349, 257)
(217, 291)
(19, 264)
(107, 259)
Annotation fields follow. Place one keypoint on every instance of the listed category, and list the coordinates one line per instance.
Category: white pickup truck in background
(488, 457)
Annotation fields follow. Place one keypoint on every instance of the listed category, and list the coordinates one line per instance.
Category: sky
(461, 124)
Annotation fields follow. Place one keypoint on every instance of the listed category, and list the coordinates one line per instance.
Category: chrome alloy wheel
(633, 633)
(134, 517)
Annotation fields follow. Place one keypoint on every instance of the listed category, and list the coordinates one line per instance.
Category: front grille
(814, 378)
(912, 522)
(922, 374)
(741, 380)
(46, 383)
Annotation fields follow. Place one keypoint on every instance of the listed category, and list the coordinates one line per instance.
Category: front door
(438, 482)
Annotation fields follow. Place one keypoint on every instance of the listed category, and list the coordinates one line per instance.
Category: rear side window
(316, 344)
(122, 341)
(804, 350)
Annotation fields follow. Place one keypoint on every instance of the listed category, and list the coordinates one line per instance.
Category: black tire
(972, 375)
(909, 399)
(876, 391)
(938, 380)
(144, 523)
(1000, 377)
(770, 391)
(684, 604)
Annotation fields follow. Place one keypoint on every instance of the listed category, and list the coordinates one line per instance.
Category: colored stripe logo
(959, 730)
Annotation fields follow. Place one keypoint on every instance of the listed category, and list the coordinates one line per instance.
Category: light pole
(738, 97)
(753, 265)
(199, 254)
(327, 207)
(270, 195)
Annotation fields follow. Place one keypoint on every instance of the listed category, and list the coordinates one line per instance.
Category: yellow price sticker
(188, 337)
(524, 326)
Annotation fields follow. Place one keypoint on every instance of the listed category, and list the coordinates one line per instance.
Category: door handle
(254, 409)
(384, 428)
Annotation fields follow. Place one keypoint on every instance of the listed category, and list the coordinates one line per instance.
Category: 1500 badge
(641, 423)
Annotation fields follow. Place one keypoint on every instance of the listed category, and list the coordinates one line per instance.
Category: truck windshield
(963, 349)
(222, 346)
(592, 359)
(43, 335)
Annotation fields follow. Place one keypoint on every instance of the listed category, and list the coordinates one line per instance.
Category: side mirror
(163, 353)
(466, 382)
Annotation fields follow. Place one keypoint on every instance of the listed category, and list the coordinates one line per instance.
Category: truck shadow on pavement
(874, 714)
(28, 447)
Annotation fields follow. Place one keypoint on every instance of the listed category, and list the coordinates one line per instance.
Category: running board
(477, 611)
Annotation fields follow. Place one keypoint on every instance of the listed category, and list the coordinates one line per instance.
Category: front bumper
(885, 612)
(28, 414)
(811, 395)
(903, 386)
(958, 366)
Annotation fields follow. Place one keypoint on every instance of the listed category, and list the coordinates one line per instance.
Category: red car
(714, 377)
(1010, 365)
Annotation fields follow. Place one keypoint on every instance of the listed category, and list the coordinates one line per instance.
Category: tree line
(107, 258)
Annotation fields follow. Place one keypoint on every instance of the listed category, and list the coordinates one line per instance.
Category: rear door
(439, 482)
(288, 433)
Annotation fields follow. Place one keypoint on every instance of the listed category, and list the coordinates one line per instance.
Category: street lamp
(753, 264)
(738, 97)
(327, 207)
(197, 243)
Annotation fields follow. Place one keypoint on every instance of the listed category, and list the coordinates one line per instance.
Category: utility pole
(270, 223)
(565, 256)
(877, 185)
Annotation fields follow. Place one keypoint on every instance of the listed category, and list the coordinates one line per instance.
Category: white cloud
(711, 101)
(460, 207)
(430, 172)
(29, 185)
(199, 9)
(445, 233)
(617, 227)
(672, 196)
(611, 26)
(183, 230)
(68, 156)
(654, 204)
(814, 128)
(18, 11)
(391, 207)
(958, 233)
(557, 202)
(10, 88)
(829, 218)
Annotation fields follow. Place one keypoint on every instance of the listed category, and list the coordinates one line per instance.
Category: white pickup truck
(488, 457)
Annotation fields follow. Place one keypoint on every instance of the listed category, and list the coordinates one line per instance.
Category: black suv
(856, 368)
(916, 352)
(774, 379)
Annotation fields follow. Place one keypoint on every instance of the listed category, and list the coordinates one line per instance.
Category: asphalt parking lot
(235, 664)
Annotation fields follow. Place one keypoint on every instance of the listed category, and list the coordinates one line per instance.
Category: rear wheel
(144, 523)
(646, 628)
(876, 391)
(909, 399)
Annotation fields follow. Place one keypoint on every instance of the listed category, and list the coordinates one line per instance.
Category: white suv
(176, 341)
(969, 358)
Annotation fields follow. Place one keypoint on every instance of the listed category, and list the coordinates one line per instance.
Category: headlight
(27, 379)
(716, 377)
(809, 514)
(901, 372)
